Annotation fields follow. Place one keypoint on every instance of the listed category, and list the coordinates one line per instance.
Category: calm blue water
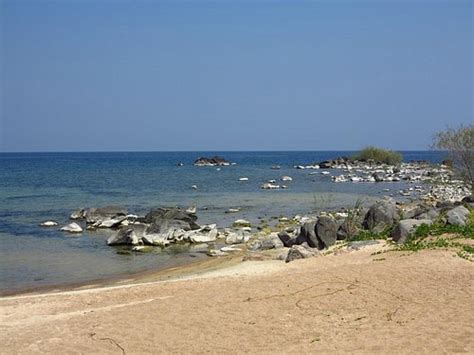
(40, 186)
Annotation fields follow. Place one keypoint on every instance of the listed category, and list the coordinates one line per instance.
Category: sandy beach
(345, 302)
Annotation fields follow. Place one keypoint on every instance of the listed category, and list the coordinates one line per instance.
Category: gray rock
(380, 214)
(78, 214)
(72, 228)
(94, 215)
(458, 215)
(432, 214)
(347, 229)
(49, 224)
(157, 216)
(237, 237)
(326, 231)
(298, 252)
(308, 234)
(205, 234)
(403, 228)
(126, 236)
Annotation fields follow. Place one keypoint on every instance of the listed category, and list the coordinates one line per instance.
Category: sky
(112, 75)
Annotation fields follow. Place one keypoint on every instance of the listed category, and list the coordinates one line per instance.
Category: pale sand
(349, 302)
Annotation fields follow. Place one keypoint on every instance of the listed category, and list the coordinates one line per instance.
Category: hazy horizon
(165, 76)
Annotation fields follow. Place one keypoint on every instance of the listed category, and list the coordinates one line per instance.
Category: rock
(308, 234)
(78, 214)
(126, 236)
(214, 161)
(204, 235)
(160, 240)
(468, 199)
(347, 230)
(48, 224)
(432, 214)
(378, 177)
(94, 215)
(298, 252)
(230, 249)
(269, 186)
(233, 210)
(72, 228)
(214, 252)
(457, 215)
(238, 237)
(142, 249)
(265, 243)
(241, 223)
(403, 228)
(286, 178)
(244, 179)
(286, 239)
(191, 210)
(326, 231)
(380, 215)
(186, 220)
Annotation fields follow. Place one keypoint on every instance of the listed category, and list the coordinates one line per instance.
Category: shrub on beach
(378, 155)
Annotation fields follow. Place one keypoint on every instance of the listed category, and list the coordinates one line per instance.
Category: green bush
(378, 155)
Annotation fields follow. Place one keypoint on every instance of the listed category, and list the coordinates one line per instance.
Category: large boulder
(326, 231)
(405, 227)
(380, 215)
(457, 215)
(308, 234)
(157, 216)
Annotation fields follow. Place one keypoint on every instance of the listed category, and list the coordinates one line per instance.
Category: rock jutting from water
(214, 161)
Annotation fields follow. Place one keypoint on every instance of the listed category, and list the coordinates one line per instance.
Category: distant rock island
(214, 161)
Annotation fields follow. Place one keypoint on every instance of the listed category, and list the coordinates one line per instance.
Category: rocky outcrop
(171, 216)
(126, 236)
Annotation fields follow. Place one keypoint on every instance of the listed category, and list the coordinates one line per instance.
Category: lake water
(39, 186)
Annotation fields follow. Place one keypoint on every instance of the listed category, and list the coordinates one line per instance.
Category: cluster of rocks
(214, 161)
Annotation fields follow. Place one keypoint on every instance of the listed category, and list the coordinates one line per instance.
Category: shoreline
(350, 301)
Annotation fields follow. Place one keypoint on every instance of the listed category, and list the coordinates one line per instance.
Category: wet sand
(346, 302)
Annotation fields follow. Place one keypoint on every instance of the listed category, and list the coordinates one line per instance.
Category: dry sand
(350, 302)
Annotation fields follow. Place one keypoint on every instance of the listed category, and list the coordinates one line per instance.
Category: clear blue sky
(84, 75)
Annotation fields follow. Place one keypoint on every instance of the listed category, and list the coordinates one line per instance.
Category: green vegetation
(459, 144)
(378, 155)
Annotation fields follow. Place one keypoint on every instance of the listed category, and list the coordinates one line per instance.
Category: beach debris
(48, 223)
(72, 228)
